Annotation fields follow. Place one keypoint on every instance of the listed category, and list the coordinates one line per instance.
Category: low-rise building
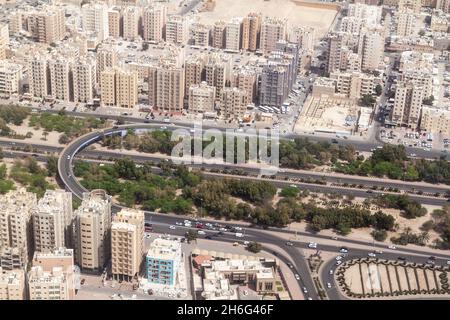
(10, 76)
(12, 284)
(162, 261)
(201, 98)
(43, 285)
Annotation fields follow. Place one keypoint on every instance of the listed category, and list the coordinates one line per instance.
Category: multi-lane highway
(273, 236)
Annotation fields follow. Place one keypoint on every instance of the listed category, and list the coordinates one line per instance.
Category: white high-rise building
(4, 40)
(233, 32)
(10, 76)
(59, 78)
(371, 49)
(406, 24)
(39, 77)
(131, 16)
(95, 19)
(84, 79)
(52, 221)
(272, 31)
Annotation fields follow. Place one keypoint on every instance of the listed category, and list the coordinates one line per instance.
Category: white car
(297, 277)
(179, 223)
(201, 232)
(331, 271)
(328, 285)
(246, 243)
(448, 262)
(312, 245)
(392, 247)
(338, 258)
(343, 250)
(188, 225)
(172, 227)
(222, 229)
(305, 290)
(371, 254)
(338, 262)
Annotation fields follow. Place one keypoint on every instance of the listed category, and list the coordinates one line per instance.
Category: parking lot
(409, 138)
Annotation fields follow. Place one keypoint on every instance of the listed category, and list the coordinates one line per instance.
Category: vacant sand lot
(320, 19)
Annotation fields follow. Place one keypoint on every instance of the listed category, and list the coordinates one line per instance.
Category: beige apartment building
(435, 120)
(131, 16)
(408, 104)
(44, 285)
(59, 68)
(47, 25)
(406, 24)
(355, 85)
(443, 5)
(39, 77)
(351, 25)
(153, 22)
(16, 225)
(232, 103)
(52, 220)
(169, 87)
(201, 98)
(201, 34)
(194, 69)
(127, 244)
(177, 29)
(12, 284)
(126, 88)
(10, 77)
(411, 5)
(4, 40)
(371, 49)
(246, 79)
(15, 23)
(13, 258)
(92, 226)
(114, 23)
(218, 34)
(59, 258)
(251, 28)
(107, 57)
(272, 31)
(119, 87)
(84, 79)
(233, 35)
(218, 72)
(304, 37)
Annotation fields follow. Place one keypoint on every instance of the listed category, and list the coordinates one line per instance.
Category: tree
(254, 247)
(44, 135)
(428, 101)
(378, 89)
(379, 235)
(289, 192)
(52, 166)
(63, 139)
(191, 235)
(368, 100)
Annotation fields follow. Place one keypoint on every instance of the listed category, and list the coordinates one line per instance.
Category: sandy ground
(320, 19)
(38, 138)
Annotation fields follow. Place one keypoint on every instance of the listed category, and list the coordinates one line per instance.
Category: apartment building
(408, 104)
(177, 29)
(201, 98)
(162, 261)
(52, 220)
(351, 25)
(194, 68)
(272, 31)
(46, 25)
(154, 22)
(435, 120)
(246, 78)
(304, 37)
(12, 284)
(130, 23)
(84, 79)
(169, 86)
(443, 5)
(251, 29)
(44, 285)
(10, 77)
(232, 103)
(59, 258)
(126, 88)
(106, 57)
(114, 23)
(411, 5)
(201, 34)
(406, 24)
(60, 87)
(13, 258)
(127, 244)
(371, 15)
(218, 34)
(371, 49)
(16, 226)
(355, 85)
(4, 40)
(39, 76)
(279, 74)
(119, 87)
(440, 22)
(340, 47)
(218, 72)
(92, 226)
(95, 19)
(233, 35)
